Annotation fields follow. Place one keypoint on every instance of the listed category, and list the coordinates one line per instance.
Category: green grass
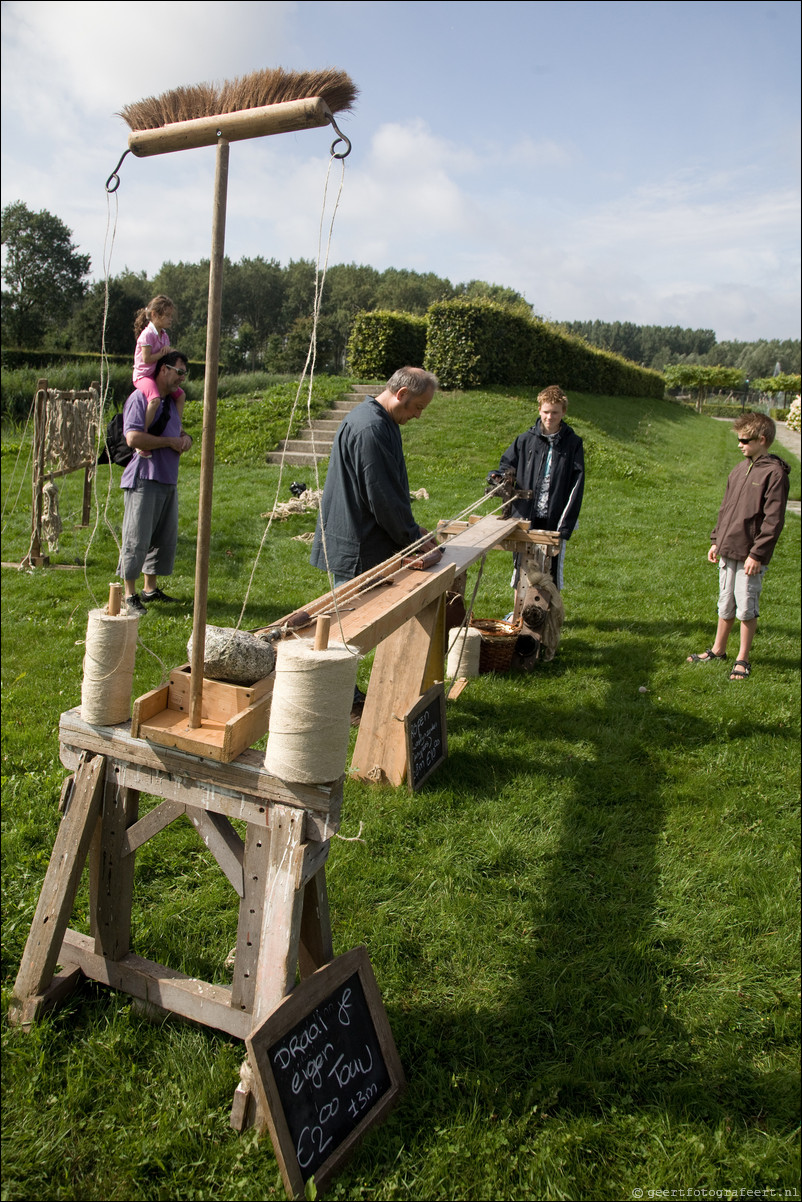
(584, 926)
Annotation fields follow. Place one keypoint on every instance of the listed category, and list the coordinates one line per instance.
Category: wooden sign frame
(421, 762)
(309, 1004)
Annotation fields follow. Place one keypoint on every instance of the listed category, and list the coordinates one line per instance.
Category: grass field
(584, 926)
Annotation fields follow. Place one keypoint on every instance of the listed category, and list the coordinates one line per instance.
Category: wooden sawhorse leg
(406, 664)
(284, 926)
(75, 834)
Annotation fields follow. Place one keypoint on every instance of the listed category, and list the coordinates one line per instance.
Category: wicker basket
(498, 643)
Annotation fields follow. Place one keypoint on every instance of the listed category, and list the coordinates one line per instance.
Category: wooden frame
(35, 557)
(311, 1004)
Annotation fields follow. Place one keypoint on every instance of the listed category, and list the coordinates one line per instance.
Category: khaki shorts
(738, 594)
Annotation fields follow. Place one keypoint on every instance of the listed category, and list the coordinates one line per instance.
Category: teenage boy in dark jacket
(549, 465)
(743, 539)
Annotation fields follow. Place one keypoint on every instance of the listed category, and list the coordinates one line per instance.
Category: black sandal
(745, 673)
(706, 657)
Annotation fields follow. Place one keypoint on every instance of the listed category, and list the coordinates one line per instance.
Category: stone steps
(298, 452)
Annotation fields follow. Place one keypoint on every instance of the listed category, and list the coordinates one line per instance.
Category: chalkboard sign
(426, 735)
(325, 1069)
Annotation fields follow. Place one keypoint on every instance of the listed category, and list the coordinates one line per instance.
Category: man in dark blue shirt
(365, 512)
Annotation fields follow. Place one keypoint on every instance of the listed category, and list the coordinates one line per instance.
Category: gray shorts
(738, 594)
(150, 530)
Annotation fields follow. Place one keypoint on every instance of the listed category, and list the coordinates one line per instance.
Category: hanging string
(112, 217)
(311, 358)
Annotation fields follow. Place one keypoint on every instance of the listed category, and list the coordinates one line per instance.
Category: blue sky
(622, 161)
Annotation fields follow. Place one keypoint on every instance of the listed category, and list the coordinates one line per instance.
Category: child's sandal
(741, 670)
(706, 657)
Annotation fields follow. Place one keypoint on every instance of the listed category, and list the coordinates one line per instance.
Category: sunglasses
(753, 439)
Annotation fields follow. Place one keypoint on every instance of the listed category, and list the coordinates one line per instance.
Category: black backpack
(117, 449)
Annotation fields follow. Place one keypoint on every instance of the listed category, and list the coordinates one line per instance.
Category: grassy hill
(584, 926)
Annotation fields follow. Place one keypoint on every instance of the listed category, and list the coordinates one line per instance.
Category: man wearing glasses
(150, 481)
(743, 539)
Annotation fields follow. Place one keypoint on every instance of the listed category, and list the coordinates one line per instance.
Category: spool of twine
(108, 668)
(463, 658)
(310, 715)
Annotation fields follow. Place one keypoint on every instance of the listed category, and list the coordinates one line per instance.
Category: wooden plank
(174, 991)
(61, 880)
(208, 795)
(223, 842)
(219, 740)
(382, 612)
(518, 538)
(246, 728)
(146, 706)
(153, 822)
(281, 917)
(396, 682)
(256, 867)
(221, 700)
(111, 874)
(457, 687)
(368, 615)
(244, 775)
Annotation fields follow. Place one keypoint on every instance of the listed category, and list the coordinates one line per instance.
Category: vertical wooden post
(35, 556)
(86, 508)
(111, 876)
(209, 432)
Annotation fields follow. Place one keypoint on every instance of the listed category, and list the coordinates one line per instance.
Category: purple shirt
(163, 463)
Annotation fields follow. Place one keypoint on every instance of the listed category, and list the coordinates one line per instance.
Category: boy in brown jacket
(743, 539)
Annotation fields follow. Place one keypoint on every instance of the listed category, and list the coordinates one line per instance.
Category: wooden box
(233, 716)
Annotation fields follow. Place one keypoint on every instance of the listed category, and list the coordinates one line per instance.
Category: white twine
(310, 714)
(108, 668)
(465, 645)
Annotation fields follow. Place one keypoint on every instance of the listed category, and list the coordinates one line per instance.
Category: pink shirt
(155, 342)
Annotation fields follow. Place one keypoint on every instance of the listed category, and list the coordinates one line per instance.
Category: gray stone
(236, 655)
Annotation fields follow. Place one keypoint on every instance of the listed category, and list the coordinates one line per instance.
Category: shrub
(476, 343)
(382, 341)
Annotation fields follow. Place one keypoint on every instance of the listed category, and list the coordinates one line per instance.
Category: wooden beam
(241, 788)
(173, 991)
(223, 842)
(63, 874)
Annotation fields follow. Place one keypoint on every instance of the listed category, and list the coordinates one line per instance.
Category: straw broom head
(260, 88)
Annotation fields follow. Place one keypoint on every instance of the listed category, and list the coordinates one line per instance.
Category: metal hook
(114, 175)
(343, 154)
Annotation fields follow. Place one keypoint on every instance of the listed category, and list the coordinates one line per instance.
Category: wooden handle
(115, 599)
(322, 628)
(285, 117)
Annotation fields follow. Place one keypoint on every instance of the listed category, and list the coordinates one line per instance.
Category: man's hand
(712, 554)
(431, 543)
(752, 567)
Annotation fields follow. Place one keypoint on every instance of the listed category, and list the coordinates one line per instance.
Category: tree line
(662, 346)
(48, 303)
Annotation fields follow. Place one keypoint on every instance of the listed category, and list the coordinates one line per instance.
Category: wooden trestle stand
(278, 869)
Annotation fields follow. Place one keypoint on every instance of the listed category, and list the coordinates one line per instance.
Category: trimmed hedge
(475, 343)
(382, 341)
